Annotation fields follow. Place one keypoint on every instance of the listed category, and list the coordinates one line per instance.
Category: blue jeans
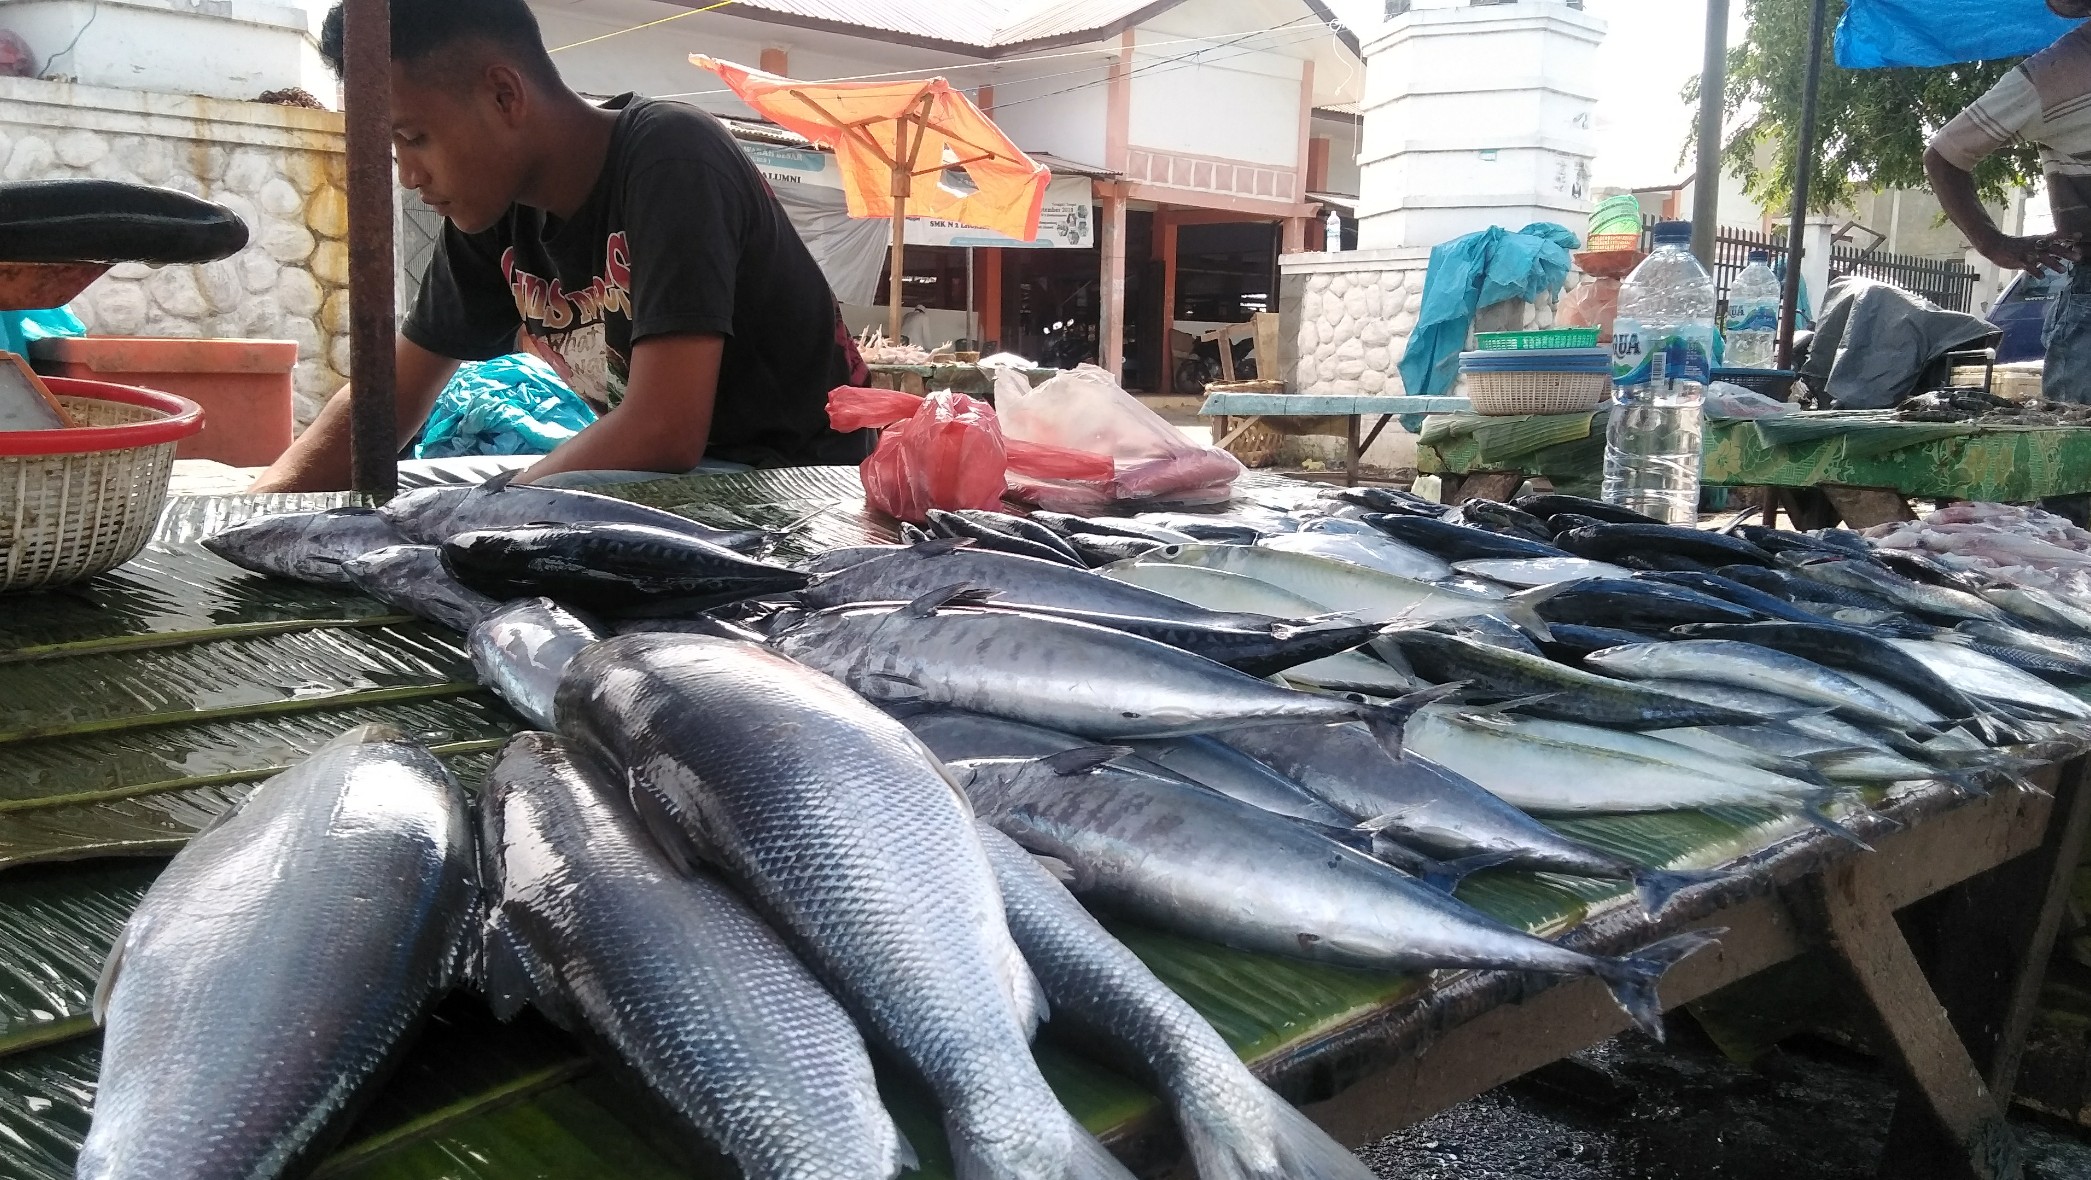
(2067, 376)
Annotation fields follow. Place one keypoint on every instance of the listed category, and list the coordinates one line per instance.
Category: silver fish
(414, 579)
(2042, 609)
(589, 923)
(1369, 595)
(1854, 574)
(1215, 868)
(772, 772)
(521, 651)
(1235, 1127)
(1540, 571)
(1017, 581)
(1746, 665)
(1062, 675)
(2024, 649)
(1222, 591)
(1989, 678)
(431, 516)
(1427, 806)
(305, 546)
(1564, 693)
(278, 963)
(1370, 549)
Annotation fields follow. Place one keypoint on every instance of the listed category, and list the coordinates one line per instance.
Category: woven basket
(1536, 393)
(76, 503)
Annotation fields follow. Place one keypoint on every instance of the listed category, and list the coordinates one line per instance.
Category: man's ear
(510, 91)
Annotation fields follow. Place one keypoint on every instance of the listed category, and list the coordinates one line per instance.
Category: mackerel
(414, 579)
(1847, 649)
(522, 649)
(1211, 867)
(1746, 665)
(1993, 679)
(1869, 578)
(1374, 552)
(1369, 595)
(1564, 693)
(2042, 609)
(305, 546)
(431, 516)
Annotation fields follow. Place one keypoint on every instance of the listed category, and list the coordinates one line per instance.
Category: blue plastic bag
(1879, 33)
(512, 405)
(18, 328)
(1470, 273)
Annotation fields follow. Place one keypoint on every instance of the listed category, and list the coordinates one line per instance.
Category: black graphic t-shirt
(680, 234)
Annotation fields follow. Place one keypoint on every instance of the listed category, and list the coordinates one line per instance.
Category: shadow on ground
(1631, 1109)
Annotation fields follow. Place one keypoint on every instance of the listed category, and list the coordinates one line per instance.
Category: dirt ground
(1631, 1109)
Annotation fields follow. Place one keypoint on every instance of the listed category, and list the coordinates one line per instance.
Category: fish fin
(1062, 871)
(1027, 998)
(905, 1157)
(1510, 706)
(1283, 1144)
(895, 687)
(911, 535)
(956, 594)
(1523, 609)
(939, 546)
(1387, 721)
(1084, 759)
(674, 844)
(1449, 873)
(1091, 1160)
(1288, 629)
(1633, 978)
(112, 968)
(1813, 811)
(504, 980)
(499, 482)
(1657, 888)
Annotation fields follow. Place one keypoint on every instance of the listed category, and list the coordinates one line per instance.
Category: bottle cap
(1764, 256)
(1673, 233)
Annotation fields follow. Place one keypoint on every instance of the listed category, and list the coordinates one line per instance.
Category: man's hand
(664, 419)
(2033, 255)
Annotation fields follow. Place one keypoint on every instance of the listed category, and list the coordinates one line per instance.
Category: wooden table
(1252, 408)
(136, 709)
(1819, 468)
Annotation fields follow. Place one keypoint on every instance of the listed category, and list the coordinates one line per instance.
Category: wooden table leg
(1240, 428)
(1988, 944)
(1918, 1038)
(1374, 436)
(1352, 451)
(1862, 508)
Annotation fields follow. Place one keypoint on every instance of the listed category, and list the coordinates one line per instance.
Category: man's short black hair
(425, 29)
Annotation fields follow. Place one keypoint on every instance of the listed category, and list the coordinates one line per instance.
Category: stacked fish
(1283, 729)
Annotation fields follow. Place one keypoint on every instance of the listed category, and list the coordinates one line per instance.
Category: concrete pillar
(1110, 328)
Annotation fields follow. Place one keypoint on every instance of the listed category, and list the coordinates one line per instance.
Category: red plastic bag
(943, 451)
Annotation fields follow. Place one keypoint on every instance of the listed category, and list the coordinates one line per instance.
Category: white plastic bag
(1085, 410)
(1725, 400)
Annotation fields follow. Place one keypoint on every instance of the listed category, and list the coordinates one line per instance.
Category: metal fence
(1948, 283)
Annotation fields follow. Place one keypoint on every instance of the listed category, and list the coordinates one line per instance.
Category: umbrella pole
(900, 230)
(1803, 177)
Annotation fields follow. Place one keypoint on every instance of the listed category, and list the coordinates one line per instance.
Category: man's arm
(319, 460)
(1955, 188)
(664, 419)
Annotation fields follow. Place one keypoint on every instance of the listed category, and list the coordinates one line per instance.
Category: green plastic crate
(1549, 338)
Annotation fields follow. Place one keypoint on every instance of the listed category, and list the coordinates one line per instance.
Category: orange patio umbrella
(886, 134)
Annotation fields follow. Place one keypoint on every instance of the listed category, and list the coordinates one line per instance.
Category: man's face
(2070, 9)
(457, 143)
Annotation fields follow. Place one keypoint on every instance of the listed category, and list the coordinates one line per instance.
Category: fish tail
(1447, 874)
(1089, 1159)
(1291, 1147)
(1813, 810)
(1657, 888)
(1084, 1159)
(1388, 721)
(1634, 978)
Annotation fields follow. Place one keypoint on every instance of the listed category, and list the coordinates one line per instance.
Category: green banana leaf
(135, 709)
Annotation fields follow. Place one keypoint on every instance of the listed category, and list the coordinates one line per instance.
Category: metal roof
(982, 28)
(1062, 166)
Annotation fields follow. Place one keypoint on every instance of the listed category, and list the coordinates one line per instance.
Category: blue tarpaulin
(1467, 274)
(1878, 33)
(512, 405)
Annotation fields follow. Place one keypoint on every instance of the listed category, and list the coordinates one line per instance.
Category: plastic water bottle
(1752, 329)
(1662, 358)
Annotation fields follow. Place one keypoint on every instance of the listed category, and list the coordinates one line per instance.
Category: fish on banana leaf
(305, 546)
(1367, 594)
(431, 516)
(521, 652)
(414, 579)
(610, 566)
(1563, 693)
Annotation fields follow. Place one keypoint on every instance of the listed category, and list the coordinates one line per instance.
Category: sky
(1652, 48)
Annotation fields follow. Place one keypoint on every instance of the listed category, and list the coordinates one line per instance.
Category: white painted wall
(234, 49)
(1242, 106)
(1070, 124)
(1342, 135)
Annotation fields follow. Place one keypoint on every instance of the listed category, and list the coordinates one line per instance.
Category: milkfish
(610, 566)
(1087, 680)
(590, 924)
(843, 831)
(431, 516)
(280, 963)
(305, 546)
(521, 651)
(1215, 868)
(1429, 807)
(414, 579)
(1993, 679)
(1104, 996)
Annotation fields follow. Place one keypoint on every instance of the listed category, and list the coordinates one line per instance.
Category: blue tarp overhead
(1877, 33)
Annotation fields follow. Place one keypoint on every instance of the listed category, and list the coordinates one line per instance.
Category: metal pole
(1713, 83)
(367, 86)
(1803, 177)
(900, 229)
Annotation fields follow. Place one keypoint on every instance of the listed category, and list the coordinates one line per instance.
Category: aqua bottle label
(1631, 359)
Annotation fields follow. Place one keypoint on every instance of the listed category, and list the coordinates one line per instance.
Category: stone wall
(281, 169)
(1346, 319)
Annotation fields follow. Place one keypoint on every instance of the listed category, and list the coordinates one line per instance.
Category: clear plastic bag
(944, 451)
(1083, 409)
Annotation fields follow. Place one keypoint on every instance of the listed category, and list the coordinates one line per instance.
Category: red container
(243, 385)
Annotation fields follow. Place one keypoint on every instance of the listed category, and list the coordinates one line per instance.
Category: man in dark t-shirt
(631, 245)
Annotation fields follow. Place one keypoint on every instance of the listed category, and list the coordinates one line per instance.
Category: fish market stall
(1837, 452)
(138, 709)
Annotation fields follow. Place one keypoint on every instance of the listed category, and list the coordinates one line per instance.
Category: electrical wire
(94, 11)
(635, 28)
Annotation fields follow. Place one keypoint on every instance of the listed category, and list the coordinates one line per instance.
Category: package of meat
(1153, 463)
